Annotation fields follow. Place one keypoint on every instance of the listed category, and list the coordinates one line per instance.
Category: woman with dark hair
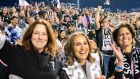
(129, 56)
(5, 17)
(62, 36)
(35, 59)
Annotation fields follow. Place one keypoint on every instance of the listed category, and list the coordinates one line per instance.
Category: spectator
(22, 19)
(5, 15)
(13, 30)
(62, 36)
(129, 55)
(103, 37)
(37, 51)
(81, 61)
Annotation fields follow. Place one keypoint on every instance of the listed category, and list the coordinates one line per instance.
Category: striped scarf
(132, 71)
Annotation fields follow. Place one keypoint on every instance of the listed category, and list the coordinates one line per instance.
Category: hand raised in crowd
(112, 77)
(58, 49)
(119, 57)
(63, 41)
(117, 53)
(99, 7)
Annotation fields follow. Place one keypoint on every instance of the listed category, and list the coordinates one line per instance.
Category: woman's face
(81, 47)
(63, 34)
(5, 10)
(39, 37)
(105, 23)
(45, 16)
(138, 23)
(124, 37)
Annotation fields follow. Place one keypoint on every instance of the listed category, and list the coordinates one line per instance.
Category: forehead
(40, 27)
(15, 19)
(123, 29)
(80, 38)
(4, 8)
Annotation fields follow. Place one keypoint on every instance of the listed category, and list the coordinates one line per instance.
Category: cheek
(46, 37)
(118, 40)
(75, 49)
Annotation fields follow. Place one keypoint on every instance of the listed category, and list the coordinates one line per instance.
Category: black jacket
(29, 65)
(99, 38)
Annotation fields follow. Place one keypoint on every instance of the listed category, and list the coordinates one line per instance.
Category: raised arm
(97, 17)
(119, 57)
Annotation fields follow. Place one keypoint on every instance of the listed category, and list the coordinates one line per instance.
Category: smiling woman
(35, 59)
(81, 63)
(124, 36)
(39, 37)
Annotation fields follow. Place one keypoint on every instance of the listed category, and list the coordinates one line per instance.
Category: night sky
(122, 4)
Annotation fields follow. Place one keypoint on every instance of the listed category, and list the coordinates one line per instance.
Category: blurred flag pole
(58, 4)
(78, 4)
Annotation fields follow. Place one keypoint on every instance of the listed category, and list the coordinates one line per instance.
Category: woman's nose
(40, 36)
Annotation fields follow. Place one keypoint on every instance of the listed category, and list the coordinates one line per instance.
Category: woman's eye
(127, 33)
(120, 34)
(78, 44)
(44, 34)
(85, 43)
(35, 33)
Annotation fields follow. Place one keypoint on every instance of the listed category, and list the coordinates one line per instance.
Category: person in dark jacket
(5, 15)
(124, 36)
(35, 59)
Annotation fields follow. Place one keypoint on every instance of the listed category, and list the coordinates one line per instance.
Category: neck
(39, 50)
(127, 49)
(13, 25)
(106, 27)
(82, 62)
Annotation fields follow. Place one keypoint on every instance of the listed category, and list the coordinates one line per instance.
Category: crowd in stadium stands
(45, 42)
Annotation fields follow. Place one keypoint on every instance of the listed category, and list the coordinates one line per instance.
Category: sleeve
(2, 40)
(118, 75)
(9, 51)
(14, 34)
(63, 75)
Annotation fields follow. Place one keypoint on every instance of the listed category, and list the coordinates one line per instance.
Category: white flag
(58, 4)
(23, 3)
(107, 2)
(26, 3)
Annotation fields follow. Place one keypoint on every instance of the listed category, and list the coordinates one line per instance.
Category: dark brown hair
(130, 28)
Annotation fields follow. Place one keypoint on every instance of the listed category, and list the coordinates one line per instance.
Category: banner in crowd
(58, 4)
(23, 3)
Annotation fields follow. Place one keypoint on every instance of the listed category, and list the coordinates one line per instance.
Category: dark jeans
(108, 63)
